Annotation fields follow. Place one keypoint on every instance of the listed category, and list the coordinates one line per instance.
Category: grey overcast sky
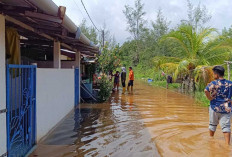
(110, 12)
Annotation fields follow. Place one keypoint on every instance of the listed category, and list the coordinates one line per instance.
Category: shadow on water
(150, 122)
(71, 127)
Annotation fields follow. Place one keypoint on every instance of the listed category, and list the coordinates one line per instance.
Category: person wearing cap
(123, 79)
(219, 93)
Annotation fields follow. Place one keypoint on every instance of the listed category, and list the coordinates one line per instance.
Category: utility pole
(228, 68)
(103, 38)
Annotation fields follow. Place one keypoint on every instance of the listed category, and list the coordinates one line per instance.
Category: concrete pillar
(78, 59)
(56, 55)
(78, 65)
(3, 133)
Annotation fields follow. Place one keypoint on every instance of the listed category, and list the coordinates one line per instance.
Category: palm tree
(193, 50)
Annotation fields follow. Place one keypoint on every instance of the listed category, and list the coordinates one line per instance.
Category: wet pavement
(151, 122)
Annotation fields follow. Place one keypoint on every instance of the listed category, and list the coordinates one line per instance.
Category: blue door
(77, 87)
(21, 109)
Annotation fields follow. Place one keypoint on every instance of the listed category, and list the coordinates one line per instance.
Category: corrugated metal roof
(28, 12)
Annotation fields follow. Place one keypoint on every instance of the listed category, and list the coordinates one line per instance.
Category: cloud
(110, 12)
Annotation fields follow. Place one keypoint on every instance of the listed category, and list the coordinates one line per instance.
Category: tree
(227, 33)
(150, 41)
(127, 53)
(194, 50)
(197, 16)
(89, 32)
(135, 21)
(160, 26)
(107, 36)
(109, 59)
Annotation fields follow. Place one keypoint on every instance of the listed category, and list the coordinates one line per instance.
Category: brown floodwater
(151, 122)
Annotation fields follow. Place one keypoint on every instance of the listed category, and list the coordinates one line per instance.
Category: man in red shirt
(131, 80)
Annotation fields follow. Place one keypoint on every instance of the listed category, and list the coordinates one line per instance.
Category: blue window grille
(77, 87)
(21, 109)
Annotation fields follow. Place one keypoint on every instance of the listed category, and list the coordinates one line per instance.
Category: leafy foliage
(105, 88)
(197, 16)
(136, 26)
(160, 26)
(90, 32)
(203, 75)
(109, 59)
(196, 49)
(135, 19)
(185, 50)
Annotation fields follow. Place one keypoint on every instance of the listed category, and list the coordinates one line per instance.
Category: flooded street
(151, 122)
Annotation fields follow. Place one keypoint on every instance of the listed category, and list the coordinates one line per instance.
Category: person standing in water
(123, 79)
(131, 80)
(116, 80)
(219, 93)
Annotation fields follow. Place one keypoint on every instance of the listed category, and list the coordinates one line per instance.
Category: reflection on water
(151, 121)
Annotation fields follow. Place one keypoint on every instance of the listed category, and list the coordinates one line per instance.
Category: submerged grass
(198, 95)
(160, 81)
(201, 98)
(164, 84)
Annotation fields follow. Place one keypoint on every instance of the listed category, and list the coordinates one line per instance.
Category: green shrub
(105, 88)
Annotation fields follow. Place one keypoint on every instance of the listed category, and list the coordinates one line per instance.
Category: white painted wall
(2, 86)
(55, 97)
(3, 134)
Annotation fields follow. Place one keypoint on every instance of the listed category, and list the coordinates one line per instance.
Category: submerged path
(151, 122)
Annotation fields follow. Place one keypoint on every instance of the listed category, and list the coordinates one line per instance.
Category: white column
(2, 86)
(56, 55)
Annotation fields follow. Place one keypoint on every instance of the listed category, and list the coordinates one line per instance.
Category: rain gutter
(49, 7)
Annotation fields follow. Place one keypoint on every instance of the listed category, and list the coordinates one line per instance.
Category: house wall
(2, 87)
(55, 97)
(68, 64)
(44, 64)
(64, 64)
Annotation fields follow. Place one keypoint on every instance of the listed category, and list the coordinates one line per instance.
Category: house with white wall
(40, 56)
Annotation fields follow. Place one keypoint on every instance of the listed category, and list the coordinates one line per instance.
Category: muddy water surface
(151, 122)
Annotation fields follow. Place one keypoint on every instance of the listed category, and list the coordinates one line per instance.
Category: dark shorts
(131, 83)
(123, 83)
(116, 81)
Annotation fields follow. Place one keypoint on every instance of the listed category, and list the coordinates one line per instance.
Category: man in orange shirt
(131, 80)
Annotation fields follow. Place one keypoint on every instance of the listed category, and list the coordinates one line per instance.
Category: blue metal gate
(21, 109)
(77, 87)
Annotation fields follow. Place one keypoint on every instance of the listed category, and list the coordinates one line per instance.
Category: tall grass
(201, 98)
(160, 81)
